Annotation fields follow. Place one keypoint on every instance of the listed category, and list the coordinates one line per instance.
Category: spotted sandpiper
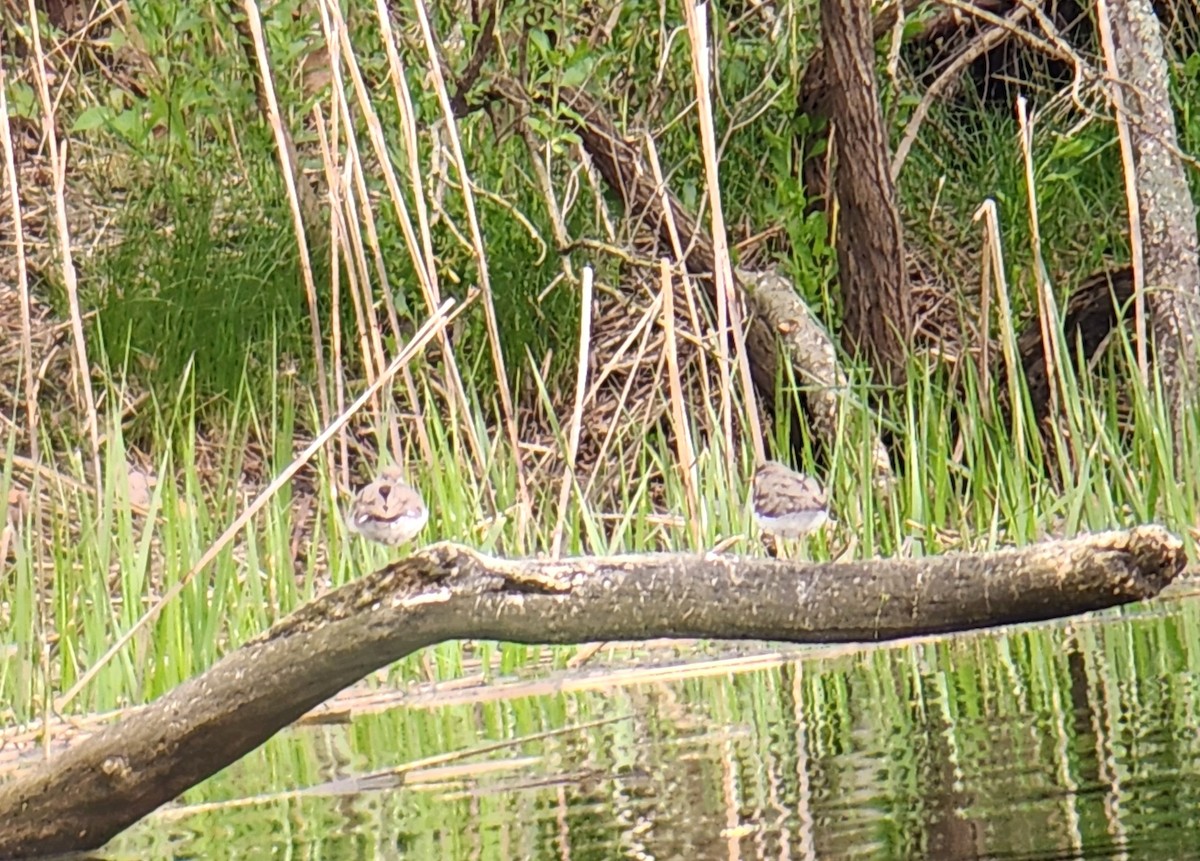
(787, 504)
(388, 510)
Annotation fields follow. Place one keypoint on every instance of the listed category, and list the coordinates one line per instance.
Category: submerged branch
(93, 791)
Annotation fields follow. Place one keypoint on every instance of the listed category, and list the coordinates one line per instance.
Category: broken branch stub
(96, 789)
(773, 301)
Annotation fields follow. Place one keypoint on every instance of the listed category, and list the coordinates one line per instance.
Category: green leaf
(22, 102)
(576, 74)
(94, 117)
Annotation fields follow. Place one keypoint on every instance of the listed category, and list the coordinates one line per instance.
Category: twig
(646, 329)
(990, 38)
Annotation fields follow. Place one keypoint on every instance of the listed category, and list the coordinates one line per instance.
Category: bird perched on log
(787, 504)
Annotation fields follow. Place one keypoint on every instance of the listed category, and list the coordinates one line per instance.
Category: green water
(1070, 740)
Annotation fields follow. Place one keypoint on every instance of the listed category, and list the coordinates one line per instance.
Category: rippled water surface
(1076, 740)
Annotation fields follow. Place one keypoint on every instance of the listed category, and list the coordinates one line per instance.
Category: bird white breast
(794, 523)
(394, 531)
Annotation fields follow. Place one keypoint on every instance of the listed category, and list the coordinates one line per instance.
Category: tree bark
(1164, 202)
(870, 241)
(96, 789)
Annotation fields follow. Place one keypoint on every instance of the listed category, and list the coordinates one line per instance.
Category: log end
(1156, 557)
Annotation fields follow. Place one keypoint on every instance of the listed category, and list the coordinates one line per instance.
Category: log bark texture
(81, 799)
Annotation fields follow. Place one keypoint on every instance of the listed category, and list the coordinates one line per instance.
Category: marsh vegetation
(244, 214)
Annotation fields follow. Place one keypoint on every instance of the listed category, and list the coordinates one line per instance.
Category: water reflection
(1061, 741)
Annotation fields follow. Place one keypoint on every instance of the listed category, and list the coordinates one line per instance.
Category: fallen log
(91, 792)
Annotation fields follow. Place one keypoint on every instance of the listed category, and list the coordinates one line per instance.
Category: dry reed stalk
(408, 129)
(341, 193)
(343, 209)
(585, 343)
(329, 163)
(58, 169)
(729, 311)
(697, 24)
(983, 366)
(489, 308)
(364, 214)
(993, 250)
(1136, 251)
(1047, 307)
(335, 319)
(354, 196)
(683, 435)
(18, 229)
(355, 250)
(442, 318)
(289, 181)
(420, 251)
(689, 285)
(372, 365)
(389, 302)
(31, 384)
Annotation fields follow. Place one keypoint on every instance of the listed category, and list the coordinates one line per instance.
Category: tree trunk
(1165, 209)
(870, 240)
(82, 798)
